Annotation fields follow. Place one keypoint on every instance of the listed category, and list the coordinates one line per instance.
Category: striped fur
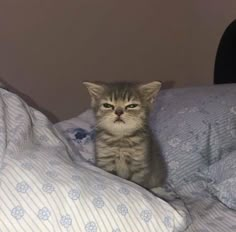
(124, 143)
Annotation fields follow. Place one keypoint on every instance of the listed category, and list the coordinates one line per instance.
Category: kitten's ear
(95, 90)
(150, 90)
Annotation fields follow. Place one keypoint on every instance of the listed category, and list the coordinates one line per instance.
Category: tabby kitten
(124, 144)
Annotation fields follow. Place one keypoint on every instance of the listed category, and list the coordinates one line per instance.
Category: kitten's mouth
(118, 120)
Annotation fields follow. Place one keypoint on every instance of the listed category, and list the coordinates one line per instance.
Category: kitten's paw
(164, 193)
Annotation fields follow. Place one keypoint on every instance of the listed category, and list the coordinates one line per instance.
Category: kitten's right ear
(95, 90)
(150, 90)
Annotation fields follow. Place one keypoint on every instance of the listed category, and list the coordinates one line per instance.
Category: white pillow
(42, 189)
(80, 131)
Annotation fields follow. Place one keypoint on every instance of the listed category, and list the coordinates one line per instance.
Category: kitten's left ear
(150, 90)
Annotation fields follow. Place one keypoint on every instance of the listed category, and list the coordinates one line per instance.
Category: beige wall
(47, 48)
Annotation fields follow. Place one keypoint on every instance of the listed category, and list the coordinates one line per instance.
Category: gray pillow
(221, 179)
(194, 127)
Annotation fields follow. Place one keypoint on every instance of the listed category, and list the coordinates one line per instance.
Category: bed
(196, 131)
(48, 180)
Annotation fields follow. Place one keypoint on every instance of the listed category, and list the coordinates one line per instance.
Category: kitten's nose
(119, 112)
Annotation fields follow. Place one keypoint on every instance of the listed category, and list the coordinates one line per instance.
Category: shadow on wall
(29, 101)
(168, 85)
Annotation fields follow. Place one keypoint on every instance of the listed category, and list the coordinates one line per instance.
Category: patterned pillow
(194, 127)
(221, 179)
(80, 132)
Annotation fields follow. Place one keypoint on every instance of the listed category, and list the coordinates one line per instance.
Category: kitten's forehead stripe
(122, 91)
(116, 94)
(129, 97)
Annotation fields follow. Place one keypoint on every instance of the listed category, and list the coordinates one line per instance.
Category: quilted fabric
(221, 179)
(42, 189)
(194, 128)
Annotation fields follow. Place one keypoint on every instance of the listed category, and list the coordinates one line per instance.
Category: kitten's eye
(131, 106)
(108, 106)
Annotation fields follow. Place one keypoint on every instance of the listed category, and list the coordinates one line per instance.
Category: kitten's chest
(123, 161)
(124, 154)
(120, 156)
(127, 149)
(126, 158)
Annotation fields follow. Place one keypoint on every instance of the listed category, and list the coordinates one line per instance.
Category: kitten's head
(122, 108)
